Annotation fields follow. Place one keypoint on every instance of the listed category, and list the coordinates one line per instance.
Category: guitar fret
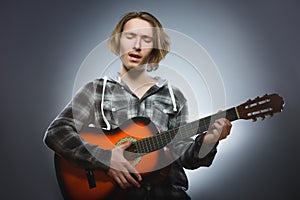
(147, 146)
(169, 132)
(142, 142)
(154, 144)
(174, 133)
(161, 142)
(137, 144)
(166, 140)
(150, 144)
(157, 140)
(170, 135)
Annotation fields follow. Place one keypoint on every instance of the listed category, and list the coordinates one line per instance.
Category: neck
(134, 73)
(137, 79)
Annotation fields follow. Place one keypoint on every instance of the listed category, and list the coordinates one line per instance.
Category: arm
(63, 138)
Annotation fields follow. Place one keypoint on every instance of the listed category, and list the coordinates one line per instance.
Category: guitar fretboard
(159, 140)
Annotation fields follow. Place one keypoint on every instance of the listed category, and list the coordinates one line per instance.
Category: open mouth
(135, 56)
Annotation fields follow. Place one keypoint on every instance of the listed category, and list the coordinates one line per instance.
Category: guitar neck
(202, 125)
(158, 141)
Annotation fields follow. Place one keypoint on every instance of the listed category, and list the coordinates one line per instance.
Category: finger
(220, 129)
(215, 125)
(132, 170)
(138, 176)
(124, 180)
(229, 126)
(131, 180)
(218, 126)
(224, 124)
(119, 182)
(127, 172)
(117, 176)
(216, 133)
(125, 145)
(228, 123)
(221, 121)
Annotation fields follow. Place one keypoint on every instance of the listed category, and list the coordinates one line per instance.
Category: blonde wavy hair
(161, 45)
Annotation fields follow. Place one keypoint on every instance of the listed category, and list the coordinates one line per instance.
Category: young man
(141, 43)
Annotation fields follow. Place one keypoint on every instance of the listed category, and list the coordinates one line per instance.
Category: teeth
(135, 56)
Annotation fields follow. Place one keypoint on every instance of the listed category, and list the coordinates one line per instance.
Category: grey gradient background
(255, 44)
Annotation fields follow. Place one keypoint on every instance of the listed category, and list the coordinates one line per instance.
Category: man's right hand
(121, 170)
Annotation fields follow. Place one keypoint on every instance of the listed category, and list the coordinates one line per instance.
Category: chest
(120, 105)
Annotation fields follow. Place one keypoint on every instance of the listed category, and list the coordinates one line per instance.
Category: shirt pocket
(116, 111)
(162, 113)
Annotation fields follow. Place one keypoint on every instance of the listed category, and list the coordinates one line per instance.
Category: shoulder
(174, 95)
(99, 83)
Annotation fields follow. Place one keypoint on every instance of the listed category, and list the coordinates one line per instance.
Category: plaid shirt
(119, 105)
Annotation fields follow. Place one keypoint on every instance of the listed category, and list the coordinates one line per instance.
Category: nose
(137, 44)
(136, 48)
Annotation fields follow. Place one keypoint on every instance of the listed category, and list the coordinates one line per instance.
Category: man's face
(136, 43)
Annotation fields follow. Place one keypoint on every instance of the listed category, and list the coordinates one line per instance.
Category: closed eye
(147, 39)
(130, 35)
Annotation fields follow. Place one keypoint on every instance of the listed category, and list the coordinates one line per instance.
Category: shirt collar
(160, 81)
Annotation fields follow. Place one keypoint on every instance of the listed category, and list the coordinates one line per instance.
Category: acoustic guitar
(146, 153)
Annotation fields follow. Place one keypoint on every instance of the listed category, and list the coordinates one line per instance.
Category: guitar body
(73, 180)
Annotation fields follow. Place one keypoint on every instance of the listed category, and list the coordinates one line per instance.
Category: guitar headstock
(260, 107)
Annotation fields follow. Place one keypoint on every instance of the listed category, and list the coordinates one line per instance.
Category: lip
(135, 56)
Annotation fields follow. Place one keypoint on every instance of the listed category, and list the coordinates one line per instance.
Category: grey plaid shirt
(120, 104)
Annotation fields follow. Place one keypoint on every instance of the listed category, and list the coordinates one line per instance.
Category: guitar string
(150, 144)
(188, 128)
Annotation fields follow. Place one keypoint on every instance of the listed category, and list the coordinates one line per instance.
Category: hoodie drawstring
(102, 100)
(172, 97)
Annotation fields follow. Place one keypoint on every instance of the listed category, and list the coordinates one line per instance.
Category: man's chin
(136, 67)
